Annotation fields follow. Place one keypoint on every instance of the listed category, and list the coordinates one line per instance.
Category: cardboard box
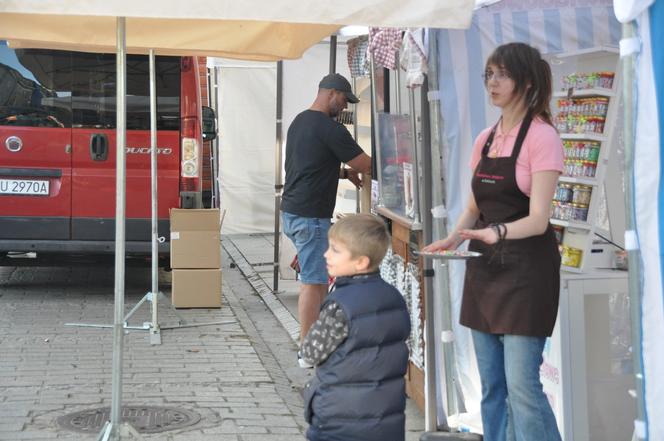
(195, 238)
(196, 288)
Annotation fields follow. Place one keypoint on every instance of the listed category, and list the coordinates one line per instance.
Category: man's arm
(361, 163)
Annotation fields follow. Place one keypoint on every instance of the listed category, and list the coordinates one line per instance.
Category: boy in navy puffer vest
(358, 344)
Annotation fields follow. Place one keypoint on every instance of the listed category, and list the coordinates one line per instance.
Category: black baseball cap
(338, 82)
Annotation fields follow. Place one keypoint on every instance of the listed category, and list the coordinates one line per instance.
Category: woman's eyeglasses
(498, 76)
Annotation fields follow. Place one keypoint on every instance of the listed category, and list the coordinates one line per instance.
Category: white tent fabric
(250, 29)
(466, 111)
(248, 40)
(390, 13)
(247, 117)
(648, 148)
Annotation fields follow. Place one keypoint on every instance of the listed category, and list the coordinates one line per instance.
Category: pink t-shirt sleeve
(545, 150)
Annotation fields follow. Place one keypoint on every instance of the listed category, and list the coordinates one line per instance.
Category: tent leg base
(112, 433)
(450, 436)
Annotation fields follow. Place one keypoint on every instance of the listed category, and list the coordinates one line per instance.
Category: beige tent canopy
(249, 29)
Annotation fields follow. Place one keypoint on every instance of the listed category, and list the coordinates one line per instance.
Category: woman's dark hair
(525, 66)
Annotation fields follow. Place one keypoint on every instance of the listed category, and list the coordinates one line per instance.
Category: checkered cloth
(384, 44)
(358, 59)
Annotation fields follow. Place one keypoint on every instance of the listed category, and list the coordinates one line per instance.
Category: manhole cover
(145, 419)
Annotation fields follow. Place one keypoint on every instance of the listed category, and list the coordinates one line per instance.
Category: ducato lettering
(147, 150)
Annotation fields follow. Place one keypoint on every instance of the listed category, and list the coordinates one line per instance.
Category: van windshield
(37, 94)
(47, 88)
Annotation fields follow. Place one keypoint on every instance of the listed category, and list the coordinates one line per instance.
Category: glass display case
(396, 177)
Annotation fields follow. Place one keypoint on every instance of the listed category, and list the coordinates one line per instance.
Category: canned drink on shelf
(565, 211)
(578, 168)
(555, 209)
(593, 152)
(571, 256)
(606, 79)
(565, 192)
(581, 194)
(578, 212)
(589, 169)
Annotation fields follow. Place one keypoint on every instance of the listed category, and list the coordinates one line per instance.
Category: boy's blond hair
(363, 235)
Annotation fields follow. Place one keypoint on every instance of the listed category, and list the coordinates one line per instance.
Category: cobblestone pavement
(226, 373)
(242, 378)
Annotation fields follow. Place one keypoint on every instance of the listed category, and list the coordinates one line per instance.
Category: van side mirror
(209, 124)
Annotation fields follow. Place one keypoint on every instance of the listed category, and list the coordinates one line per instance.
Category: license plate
(24, 186)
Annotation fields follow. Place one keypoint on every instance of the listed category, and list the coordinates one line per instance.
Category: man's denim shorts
(309, 234)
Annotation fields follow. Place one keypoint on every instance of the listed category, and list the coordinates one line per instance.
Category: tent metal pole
(155, 337)
(438, 231)
(333, 53)
(416, 160)
(118, 325)
(120, 176)
(376, 130)
(426, 201)
(115, 430)
(355, 131)
(634, 254)
(397, 87)
(214, 147)
(278, 187)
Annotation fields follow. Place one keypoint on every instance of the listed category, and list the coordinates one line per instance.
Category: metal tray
(449, 254)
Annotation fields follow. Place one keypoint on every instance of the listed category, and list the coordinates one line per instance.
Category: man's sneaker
(303, 364)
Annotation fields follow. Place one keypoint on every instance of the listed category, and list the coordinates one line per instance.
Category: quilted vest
(358, 393)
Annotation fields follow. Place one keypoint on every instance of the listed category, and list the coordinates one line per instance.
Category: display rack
(585, 106)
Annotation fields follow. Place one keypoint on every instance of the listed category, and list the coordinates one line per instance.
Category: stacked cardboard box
(196, 258)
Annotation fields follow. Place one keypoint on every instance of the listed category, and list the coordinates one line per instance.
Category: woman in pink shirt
(510, 298)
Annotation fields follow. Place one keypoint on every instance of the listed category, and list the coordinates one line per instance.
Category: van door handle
(99, 147)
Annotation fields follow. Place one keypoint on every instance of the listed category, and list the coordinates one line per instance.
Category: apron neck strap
(523, 130)
(525, 125)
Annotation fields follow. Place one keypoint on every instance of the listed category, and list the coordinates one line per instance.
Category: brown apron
(514, 287)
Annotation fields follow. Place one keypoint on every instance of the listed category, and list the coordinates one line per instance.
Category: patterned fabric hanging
(405, 278)
(384, 43)
(358, 58)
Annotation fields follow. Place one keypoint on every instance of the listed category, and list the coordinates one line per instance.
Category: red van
(57, 149)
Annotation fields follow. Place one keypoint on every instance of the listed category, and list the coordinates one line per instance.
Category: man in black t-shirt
(315, 148)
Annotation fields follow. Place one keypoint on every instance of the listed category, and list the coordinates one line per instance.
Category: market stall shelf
(585, 108)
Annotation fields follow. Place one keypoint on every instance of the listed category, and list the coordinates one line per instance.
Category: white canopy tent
(251, 29)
